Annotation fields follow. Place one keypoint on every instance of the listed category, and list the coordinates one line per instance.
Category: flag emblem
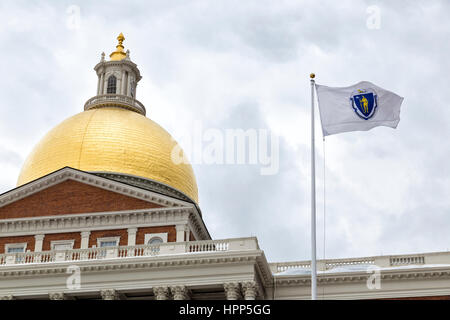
(364, 103)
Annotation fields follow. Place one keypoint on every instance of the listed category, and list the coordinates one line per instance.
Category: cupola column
(102, 80)
(123, 88)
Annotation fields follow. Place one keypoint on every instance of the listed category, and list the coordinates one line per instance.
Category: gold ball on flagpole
(312, 75)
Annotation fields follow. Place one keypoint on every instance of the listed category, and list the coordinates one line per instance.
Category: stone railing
(115, 100)
(407, 260)
(130, 251)
(437, 258)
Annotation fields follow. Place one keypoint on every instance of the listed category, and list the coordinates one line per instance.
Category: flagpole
(313, 198)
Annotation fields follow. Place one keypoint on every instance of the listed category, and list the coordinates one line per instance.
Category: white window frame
(16, 245)
(149, 236)
(100, 240)
(56, 242)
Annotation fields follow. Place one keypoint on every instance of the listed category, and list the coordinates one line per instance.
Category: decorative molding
(161, 293)
(56, 242)
(358, 277)
(168, 261)
(149, 236)
(250, 290)
(16, 245)
(146, 184)
(180, 292)
(68, 173)
(104, 221)
(109, 294)
(232, 290)
(56, 296)
(108, 239)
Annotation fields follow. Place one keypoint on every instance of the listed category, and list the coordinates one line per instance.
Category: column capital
(39, 237)
(161, 293)
(232, 290)
(85, 234)
(250, 289)
(182, 227)
(109, 294)
(56, 296)
(180, 292)
(132, 230)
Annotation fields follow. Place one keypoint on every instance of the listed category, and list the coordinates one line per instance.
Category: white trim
(16, 245)
(56, 242)
(108, 239)
(68, 173)
(104, 221)
(149, 236)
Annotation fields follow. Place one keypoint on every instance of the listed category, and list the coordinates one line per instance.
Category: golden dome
(110, 140)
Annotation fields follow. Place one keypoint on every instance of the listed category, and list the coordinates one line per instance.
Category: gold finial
(312, 75)
(119, 54)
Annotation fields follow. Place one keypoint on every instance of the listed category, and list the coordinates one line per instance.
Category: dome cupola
(117, 82)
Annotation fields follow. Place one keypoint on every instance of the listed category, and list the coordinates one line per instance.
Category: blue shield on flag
(364, 103)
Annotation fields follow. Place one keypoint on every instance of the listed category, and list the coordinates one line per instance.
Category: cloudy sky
(245, 64)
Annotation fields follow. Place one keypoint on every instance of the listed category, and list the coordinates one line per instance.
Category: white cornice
(358, 277)
(104, 221)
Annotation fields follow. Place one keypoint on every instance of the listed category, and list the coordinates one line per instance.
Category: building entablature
(105, 221)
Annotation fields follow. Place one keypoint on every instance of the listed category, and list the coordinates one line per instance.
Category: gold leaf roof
(110, 140)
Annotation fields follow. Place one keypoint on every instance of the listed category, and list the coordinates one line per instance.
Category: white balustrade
(128, 251)
(407, 260)
(112, 99)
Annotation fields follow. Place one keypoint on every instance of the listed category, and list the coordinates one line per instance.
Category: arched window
(112, 84)
(155, 240)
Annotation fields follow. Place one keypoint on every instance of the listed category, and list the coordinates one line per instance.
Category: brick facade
(70, 197)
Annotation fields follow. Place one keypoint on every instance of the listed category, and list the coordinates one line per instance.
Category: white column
(85, 239)
(39, 239)
(122, 88)
(105, 86)
(132, 236)
(118, 86)
(102, 81)
(98, 85)
(181, 232)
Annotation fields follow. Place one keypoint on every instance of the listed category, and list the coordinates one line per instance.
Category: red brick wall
(171, 236)
(71, 197)
(28, 239)
(62, 236)
(122, 233)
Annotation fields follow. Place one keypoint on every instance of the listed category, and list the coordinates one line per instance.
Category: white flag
(360, 107)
